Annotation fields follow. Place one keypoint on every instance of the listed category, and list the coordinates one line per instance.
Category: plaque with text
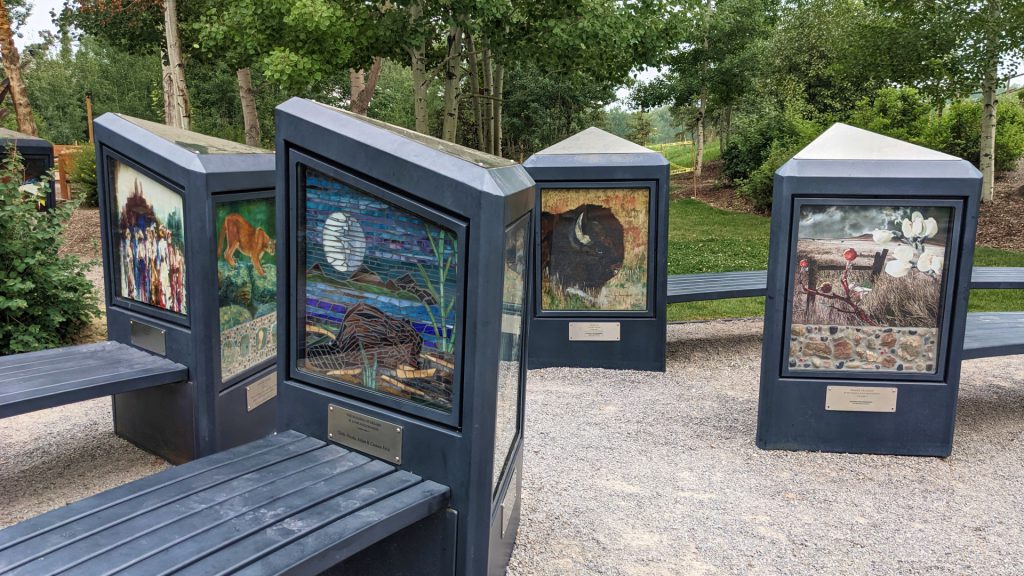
(860, 399)
(148, 337)
(261, 391)
(364, 433)
(594, 331)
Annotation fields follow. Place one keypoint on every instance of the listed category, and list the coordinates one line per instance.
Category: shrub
(897, 112)
(789, 133)
(82, 176)
(958, 132)
(45, 298)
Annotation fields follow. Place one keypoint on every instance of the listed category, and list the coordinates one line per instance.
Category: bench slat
(161, 526)
(212, 530)
(992, 277)
(52, 368)
(56, 353)
(62, 516)
(994, 334)
(252, 548)
(330, 545)
(48, 541)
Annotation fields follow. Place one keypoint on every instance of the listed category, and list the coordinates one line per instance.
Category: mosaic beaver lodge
(368, 336)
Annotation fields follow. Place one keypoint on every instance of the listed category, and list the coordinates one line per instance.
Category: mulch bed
(1000, 224)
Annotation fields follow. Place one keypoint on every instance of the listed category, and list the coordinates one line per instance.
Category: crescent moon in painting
(344, 242)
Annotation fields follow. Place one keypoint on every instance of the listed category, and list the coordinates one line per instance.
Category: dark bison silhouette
(582, 248)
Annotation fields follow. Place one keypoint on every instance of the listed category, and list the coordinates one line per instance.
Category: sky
(38, 20)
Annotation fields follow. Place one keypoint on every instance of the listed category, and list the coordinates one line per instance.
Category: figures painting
(380, 289)
(867, 289)
(247, 284)
(594, 249)
(150, 242)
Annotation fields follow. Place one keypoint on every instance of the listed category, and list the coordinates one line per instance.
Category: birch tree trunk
(452, 80)
(363, 84)
(250, 116)
(488, 101)
(167, 85)
(182, 116)
(698, 161)
(419, 89)
(988, 136)
(474, 86)
(499, 87)
(12, 67)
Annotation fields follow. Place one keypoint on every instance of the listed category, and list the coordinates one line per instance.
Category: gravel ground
(631, 473)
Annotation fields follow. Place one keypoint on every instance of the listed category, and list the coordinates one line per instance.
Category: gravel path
(631, 473)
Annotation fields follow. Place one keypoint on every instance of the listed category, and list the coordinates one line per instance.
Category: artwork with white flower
(867, 287)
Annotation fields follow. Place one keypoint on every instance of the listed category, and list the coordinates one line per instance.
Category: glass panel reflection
(509, 368)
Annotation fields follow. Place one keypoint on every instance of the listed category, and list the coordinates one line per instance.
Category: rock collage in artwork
(867, 287)
(380, 289)
(247, 284)
(150, 244)
(594, 248)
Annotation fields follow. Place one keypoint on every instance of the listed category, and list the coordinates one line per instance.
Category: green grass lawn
(705, 239)
(680, 154)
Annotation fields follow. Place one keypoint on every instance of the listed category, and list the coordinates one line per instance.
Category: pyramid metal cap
(844, 142)
(594, 141)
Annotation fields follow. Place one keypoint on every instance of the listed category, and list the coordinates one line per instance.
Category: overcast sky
(38, 20)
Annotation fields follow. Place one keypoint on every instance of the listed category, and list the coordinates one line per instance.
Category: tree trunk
(698, 160)
(452, 78)
(419, 89)
(474, 86)
(12, 67)
(488, 120)
(167, 85)
(499, 87)
(182, 116)
(988, 136)
(250, 117)
(726, 127)
(363, 87)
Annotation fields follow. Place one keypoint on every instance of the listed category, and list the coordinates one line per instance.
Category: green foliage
(796, 133)
(680, 154)
(640, 128)
(82, 176)
(958, 132)
(901, 113)
(45, 298)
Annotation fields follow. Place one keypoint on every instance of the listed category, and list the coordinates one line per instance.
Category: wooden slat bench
(49, 378)
(286, 504)
(722, 285)
(994, 334)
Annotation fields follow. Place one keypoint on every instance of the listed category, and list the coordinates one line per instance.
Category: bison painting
(581, 249)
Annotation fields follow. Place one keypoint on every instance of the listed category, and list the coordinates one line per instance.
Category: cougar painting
(241, 236)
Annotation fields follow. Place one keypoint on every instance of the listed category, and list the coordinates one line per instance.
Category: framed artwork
(510, 366)
(246, 284)
(380, 288)
(149, 244)
(867, 293)
(594, 249)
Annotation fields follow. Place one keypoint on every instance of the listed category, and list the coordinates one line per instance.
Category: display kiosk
(37, 158)
(404, 286)
(872, 242)
(188, 251)
(600, 256)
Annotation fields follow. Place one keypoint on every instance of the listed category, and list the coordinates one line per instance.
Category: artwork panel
(380, 295)
(867, 288)
(150, 243)
(594, 249)
(510, 356)
(247, 284)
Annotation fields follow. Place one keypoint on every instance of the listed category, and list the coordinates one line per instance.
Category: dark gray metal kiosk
(404, 284)
(36, 155)
(601, 233)
(188, 254)
(872, 243)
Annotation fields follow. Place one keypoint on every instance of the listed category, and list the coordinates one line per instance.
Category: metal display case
(872, 242)
(600, 257)
(404, 286)
(188, 251)
(37, 156)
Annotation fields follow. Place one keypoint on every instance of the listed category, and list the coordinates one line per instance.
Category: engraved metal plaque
(594, 331)
(508, 504)
(365, 433)
(148, 337)
(860, 399)
(261, 391)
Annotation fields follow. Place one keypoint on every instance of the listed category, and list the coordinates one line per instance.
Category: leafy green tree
(641, 130)
(45, 298)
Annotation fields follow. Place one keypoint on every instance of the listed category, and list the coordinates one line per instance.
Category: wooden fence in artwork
(877, 263)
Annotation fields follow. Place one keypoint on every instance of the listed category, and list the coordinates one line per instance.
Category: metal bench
(49, 378)
(722, 285)
(994, 334)
(285, 504)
